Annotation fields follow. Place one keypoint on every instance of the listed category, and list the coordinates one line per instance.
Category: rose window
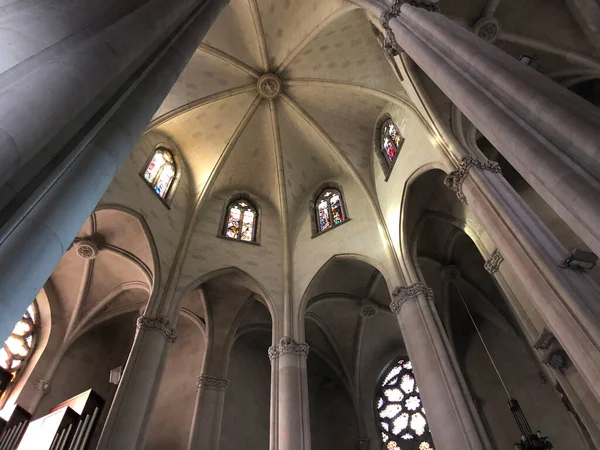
(400, 410)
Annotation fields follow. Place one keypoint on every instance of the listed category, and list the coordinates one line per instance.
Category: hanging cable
(529, 440)
(482, 340)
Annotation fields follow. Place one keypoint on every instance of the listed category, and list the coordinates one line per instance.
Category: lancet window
(330, 210)
(391, 140)
(160, 172)
(400, 412)
(241, 221)
(388, 143)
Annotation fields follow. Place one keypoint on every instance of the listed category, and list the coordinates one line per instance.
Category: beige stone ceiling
(117, 280)
(301, 41)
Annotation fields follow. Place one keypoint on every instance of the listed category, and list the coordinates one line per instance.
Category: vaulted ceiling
(325, 53)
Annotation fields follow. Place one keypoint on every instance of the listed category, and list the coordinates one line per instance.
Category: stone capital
(42, 385)
(390, 44)
(288, 346)
(403, 294)
(492, 265)
(456, 178)
(553, 355)
(212, 383)
(160, 324)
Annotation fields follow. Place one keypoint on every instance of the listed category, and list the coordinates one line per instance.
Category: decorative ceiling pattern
(300, 42)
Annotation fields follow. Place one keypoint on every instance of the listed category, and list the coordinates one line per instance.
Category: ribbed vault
(335, 83)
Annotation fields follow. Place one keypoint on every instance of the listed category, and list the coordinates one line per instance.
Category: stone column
(39, 233)
(567, 300)
(208, 413)
(132, 406)
(61, 62)
(293, 424)
(452, 416)
(548, 134)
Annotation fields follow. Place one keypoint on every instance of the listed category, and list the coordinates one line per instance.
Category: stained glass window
(330, 210)
(20, 343)
(240, 222)
(391, 141)
(400, 412)
(160, 172)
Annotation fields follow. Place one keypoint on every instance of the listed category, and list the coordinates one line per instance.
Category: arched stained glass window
(400, 412)
(330, 210)
(391, 141)
(240, 221)
(19, 345)
(160, 172)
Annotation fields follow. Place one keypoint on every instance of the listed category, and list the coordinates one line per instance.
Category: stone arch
(303, 305)
(241, 278)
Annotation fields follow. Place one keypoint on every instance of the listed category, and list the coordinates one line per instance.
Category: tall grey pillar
(32, 244)
(208, 413)
(293, 422)
(452, 416)
(130, 411)
(548, 134)
(61, 61)
(567, 300)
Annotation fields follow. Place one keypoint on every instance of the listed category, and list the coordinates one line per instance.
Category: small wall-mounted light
(115, 375)
(530, 60)
(580, 260)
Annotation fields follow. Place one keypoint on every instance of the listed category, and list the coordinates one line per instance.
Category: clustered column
(290, 388)
(454, 421)
(208, 413)
(548, 134)
(567, 300)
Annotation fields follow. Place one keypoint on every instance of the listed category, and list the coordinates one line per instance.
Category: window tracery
(400, 411)
(329, 210)
(160, 172)
(20, 344)
(240, 221)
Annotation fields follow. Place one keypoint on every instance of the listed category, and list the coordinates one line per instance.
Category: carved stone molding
(212, 383)
(390, 45)
(368, 309)
(492, 265)
(160, 324)
(487, 29)
(403, 294)
(269, 86)
(42, 385)
(456, 178)
(86, 249)
(554, 355)
(287, 345)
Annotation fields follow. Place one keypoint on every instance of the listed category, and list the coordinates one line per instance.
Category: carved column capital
(390, 44)
(160, 324)
(288, 345)
(553, 355)
(456, 178)
(212, 383)
(42, 385)
(402, 294)
(492, 265)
